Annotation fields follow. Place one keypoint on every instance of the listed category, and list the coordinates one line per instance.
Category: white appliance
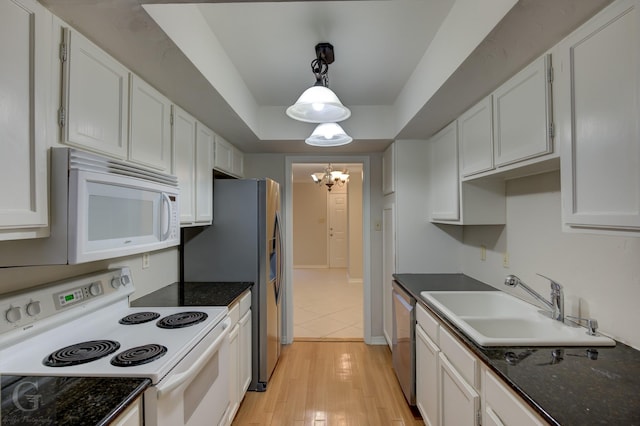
(101, 208)
(42, 331)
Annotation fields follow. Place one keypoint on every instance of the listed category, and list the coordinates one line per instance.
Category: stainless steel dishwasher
(403, 344)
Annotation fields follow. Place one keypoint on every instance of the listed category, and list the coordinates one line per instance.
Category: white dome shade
(318, 104)
(328, 134)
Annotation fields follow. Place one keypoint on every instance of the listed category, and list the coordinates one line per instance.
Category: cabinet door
(502, 407)
(222, 158)
(234, 370)
(184, 145)
(599, 120)
(24, 124)
(237, 166)
(427, 393)
(522, 114)
(245, 353)
(459, 402)
(132, 416)
(388, 268)
(475, 132)
(150, 127)
(96, 98)
(445, 200)
(204, 174)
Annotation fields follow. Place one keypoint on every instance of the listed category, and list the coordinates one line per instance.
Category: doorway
(327, 270)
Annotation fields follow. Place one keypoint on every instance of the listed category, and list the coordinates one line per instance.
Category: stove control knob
(33, 308)
(95, 289)
(115, 282)
(14, 314)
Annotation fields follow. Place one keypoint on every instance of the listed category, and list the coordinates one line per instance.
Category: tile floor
(326, 306)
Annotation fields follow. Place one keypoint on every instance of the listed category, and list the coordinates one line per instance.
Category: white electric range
(84, 327)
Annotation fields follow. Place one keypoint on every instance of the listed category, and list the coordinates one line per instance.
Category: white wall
(421, 246)
(163, 270)
(600, 274)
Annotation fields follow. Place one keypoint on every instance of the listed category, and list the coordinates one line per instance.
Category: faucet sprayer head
(511, 281)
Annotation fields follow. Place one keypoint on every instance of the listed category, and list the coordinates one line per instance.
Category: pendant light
(328, 134)
(319, 104)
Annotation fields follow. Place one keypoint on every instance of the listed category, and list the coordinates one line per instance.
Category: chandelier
(331, 177)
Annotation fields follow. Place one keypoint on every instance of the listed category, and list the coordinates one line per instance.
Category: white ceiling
(258, 54)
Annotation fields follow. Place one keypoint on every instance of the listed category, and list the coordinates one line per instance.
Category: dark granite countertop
(66, 400)
(195, 294)
(566, 386)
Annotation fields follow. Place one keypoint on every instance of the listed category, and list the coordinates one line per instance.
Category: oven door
(196, 391)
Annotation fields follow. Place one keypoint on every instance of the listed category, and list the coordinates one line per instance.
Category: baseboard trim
(378, 340)
(355, 281)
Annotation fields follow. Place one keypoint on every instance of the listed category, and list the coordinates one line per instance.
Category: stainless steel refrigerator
(244, 243)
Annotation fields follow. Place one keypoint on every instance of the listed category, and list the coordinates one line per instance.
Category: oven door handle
(179, 379)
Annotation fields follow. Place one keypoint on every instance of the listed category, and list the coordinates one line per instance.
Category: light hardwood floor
(327, 384)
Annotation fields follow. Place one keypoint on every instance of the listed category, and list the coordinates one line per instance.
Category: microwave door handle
(166, 202)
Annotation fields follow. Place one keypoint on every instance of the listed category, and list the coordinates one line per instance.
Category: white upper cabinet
(444, 178)
(184, 156)
(95, 109)
(388, 163)
(452, 201)
(204, 174)
(475, 131)
(228, 158)
(599, 120)
(25, 124)
(150, 127)
(522, 110)
(192, 164)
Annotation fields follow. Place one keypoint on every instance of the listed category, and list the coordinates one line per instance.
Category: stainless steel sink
(495, 318)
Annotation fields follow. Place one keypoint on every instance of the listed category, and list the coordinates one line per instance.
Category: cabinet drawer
(428, 323)
(234, 313)
(461, 358)
(502, 406)
(245, 303)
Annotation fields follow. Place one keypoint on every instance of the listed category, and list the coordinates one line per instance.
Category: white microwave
(101, 208)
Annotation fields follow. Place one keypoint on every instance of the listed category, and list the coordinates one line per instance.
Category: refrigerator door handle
(280, 254)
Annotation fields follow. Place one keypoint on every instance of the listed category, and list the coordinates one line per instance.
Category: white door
(338, 230)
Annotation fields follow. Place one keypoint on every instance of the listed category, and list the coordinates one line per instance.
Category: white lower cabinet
(459, 402)
(502, 407)
(239, 353)
(132, 416)
(454, 388)
(427, 377)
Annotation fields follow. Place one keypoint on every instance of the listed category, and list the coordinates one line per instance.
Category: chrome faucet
(556, 305)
